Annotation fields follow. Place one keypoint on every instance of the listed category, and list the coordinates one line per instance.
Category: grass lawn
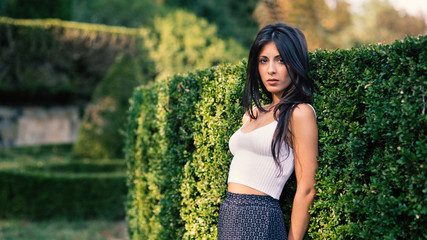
(63, 230)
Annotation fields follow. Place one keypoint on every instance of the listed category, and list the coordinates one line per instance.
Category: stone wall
(26, 126)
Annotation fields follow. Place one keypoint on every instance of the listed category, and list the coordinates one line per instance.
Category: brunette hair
(292, 46)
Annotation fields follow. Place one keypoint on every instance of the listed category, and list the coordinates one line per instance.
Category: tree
(321, 24)
(181, 42)
(128, 13)
(232, 17)
(380, 22)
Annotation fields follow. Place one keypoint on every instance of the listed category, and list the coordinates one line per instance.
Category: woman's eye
(263, 60)
(280, 60)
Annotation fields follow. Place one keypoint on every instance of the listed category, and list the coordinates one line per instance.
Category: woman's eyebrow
(277, 56)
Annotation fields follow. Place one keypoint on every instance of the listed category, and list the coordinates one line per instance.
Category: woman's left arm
(305, 145)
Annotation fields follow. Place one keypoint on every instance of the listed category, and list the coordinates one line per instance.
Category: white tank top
(253, 164)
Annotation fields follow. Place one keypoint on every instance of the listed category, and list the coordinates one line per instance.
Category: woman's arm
(305, 144)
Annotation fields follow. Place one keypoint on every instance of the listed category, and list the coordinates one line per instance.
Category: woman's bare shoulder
(303, 112)
(247, 114)
(245, 117)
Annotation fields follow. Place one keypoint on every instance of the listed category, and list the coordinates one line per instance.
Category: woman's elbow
(307, 193)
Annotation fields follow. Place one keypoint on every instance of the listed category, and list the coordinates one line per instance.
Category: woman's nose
(271, 68)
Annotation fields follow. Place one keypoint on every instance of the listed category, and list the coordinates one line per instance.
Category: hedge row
(50, 59)
(105, 116)
(372, 177)
(142, 155)
(371, 180)
(164, 134)
(159, 144)
(58, 190)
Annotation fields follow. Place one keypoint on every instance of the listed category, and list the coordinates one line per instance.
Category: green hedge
(371, 180)
(53, 60)
(105, 117)
(371, 107)
(143, 154)
(158, 145)
(76, 167)
(63, 190)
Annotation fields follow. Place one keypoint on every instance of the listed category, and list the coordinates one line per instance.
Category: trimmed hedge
(144, 155)
(204, 184)
(371, 180)
(105, 117)
(46, 60)
(57, 190)
(76, 167)
(159, 140)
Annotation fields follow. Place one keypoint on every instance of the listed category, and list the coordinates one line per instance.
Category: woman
(274, 140)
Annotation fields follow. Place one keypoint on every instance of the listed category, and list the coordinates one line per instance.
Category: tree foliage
(327, 23)
(335, 26)
(37, 9)
(129, 13)
(380, 22)
(320, 23)
(232, 17)
(181, 41)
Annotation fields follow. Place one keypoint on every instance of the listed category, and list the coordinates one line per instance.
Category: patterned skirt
(244, 216)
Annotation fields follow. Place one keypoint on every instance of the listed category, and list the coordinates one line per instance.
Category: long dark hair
(292, 46)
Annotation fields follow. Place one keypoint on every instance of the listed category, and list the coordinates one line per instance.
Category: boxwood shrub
(105, 116)
(159, 143)
(371, 107)
(143, 158)
(218, 114)
(76, 190)
(49, 60)
(371, 181)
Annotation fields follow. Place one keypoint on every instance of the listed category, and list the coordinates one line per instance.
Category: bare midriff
(242, 189)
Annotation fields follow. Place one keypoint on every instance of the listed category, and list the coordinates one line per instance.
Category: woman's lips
(272, 81)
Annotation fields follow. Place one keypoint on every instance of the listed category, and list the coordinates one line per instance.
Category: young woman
(275, 140)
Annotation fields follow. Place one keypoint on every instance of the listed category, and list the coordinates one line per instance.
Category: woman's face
(272, 70)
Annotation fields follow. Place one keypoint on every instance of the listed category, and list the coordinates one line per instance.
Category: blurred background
(328, 23)
(68, 68)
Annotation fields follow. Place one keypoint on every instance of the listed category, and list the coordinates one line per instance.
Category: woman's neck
(276, 100)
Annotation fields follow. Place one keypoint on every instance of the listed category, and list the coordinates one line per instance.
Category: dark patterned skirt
(244, 216)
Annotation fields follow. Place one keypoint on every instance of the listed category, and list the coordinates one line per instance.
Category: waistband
(250, 199)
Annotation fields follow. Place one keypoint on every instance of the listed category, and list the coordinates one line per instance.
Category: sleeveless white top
(253, 164)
